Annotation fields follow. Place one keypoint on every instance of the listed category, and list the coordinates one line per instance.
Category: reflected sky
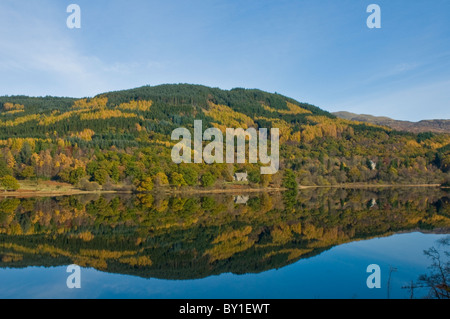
(336, 273)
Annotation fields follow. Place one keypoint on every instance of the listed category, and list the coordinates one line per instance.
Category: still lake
(316, 243)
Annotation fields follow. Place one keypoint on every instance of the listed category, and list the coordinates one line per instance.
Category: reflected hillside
(195, 237)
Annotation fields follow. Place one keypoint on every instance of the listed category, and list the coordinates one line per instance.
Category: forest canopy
(121, 140)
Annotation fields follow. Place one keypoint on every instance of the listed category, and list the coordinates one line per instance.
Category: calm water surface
(314, 244)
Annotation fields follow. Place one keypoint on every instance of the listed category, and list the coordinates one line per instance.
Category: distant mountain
(435, 126)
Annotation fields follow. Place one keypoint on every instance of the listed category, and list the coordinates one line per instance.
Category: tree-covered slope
(122, 140)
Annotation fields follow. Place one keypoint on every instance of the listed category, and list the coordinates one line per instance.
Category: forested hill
(122, 140)
(172, 105)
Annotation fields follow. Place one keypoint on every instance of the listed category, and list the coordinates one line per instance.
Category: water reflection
(437, 280)
(198, 236)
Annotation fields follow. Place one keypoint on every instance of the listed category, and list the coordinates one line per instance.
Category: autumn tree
(190, 175)
(177, 180)
(289, 180)
(254, 176)
(207, 179)
(161, 179)
(86, 185)
(9, 183)
(101, 176)
(354, 174)
(4, 169)
(27, 172)
(145, 185)
(265, 180)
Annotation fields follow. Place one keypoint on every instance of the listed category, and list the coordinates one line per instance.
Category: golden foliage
(294, 253)
(233, 234)
(13, 112)
(98, 102)
(230, 243)
(140, 261)
(227, 249)
(310, 231)
(20, 120)
(284, 233)
(56, 117)
(325, 127)
(228, 118)
(13, 107)
(136, 106)
(286, 133)
(85, 135)
(293, 109)
(105, 114)
(105, 254)
(16, 144)
(85, 236)
(281, 235)
(11, 257)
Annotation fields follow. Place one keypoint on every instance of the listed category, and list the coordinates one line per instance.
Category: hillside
(121, 140)
(435, 126)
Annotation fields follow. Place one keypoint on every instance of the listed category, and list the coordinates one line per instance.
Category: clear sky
(320, 52)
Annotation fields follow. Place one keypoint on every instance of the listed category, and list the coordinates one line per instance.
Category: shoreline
(25, 193)
(378, 185)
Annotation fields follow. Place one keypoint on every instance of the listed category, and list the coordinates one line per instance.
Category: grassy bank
(32, 188)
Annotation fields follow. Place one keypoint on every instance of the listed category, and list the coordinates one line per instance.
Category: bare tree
(437, 281)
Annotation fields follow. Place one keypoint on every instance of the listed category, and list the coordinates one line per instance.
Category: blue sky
(320, 52)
